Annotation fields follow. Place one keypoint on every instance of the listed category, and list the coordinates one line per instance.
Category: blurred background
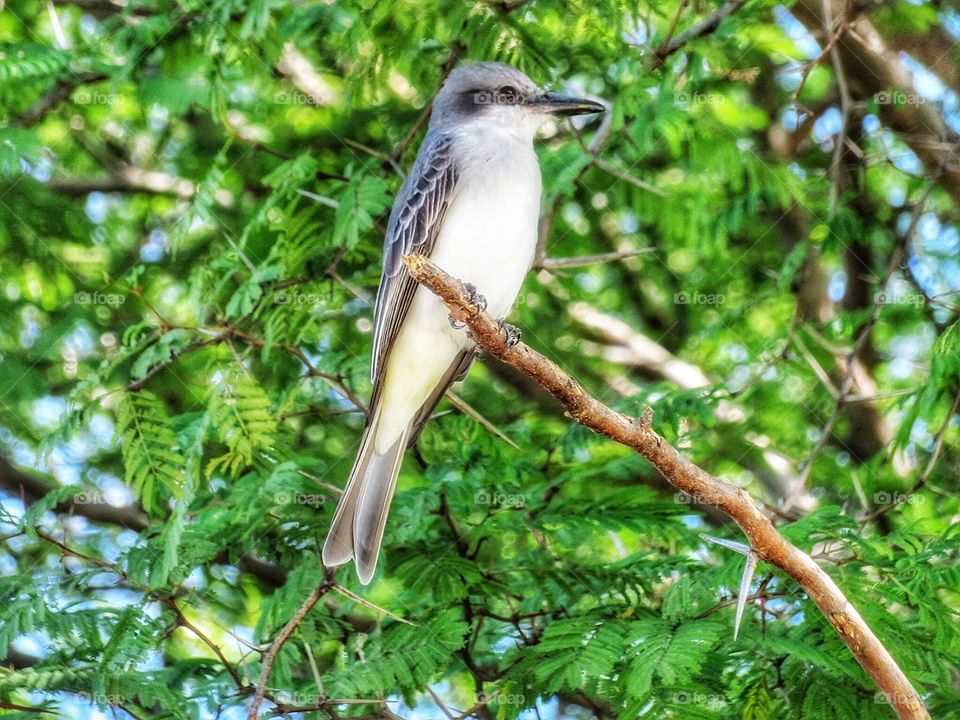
(759, 241)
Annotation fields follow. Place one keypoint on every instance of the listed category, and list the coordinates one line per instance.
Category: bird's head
(492, 92)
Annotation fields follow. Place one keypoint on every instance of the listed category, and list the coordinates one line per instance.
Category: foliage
(190, 239)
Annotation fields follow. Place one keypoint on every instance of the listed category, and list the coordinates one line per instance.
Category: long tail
(357, 527)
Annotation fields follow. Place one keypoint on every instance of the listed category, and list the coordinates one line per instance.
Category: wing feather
(414, 224)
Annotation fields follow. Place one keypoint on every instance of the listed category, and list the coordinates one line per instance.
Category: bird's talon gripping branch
(511, 333)
(478, 301)
(456, 324)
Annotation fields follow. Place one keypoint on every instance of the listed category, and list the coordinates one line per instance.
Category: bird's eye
(507, 92)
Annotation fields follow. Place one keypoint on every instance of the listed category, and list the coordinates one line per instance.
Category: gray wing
(414, 224)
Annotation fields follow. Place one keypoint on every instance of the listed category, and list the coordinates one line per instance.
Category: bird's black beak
(565, 106)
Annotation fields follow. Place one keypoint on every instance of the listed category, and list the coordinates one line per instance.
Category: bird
(471, 203)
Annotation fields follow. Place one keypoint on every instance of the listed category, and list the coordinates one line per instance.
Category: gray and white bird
(471, 203)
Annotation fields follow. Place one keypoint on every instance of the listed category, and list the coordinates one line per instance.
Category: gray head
(492, 92)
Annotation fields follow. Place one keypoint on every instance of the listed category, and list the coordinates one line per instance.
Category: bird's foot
(511, 333)
(455, 324)
(478, 301)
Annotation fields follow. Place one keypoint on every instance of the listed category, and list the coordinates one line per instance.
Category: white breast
(488, 238)
(489, 234)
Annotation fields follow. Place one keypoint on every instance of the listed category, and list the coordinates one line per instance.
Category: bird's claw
(455, 324)
(511, 333)
(478, 301)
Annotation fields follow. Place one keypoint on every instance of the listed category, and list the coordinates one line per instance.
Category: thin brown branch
(705, 27)
(312, 599)
(31, 488)
(852, 360)
(185, 622)
(455, 52)
(637, 434)
(467, 409)
(827, 50)
(673, 26)
(56, 95)
(627, 177)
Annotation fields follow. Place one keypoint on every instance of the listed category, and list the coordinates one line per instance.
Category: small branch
(637, 434)
(853, 358)
(827, 50)
(673, 26)
(845, 102)
(455, 52)
(927, 471)
(282, 638)
(568, 263)
(182, 619)
(56, 95)
(467, 409)
(704, 27)
(627, 177)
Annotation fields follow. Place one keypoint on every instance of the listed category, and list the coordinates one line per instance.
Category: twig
(927, 470)
(673, 25)
(862, 337)
(57, 94)
(568, 263)
(440, 703)
(367, 604)
(455, 52)
(704, 27)
(827, 50)
(467, 409)
(182, 619)
(627, 177)
(281, 639)
(845, 101)
(637, 434)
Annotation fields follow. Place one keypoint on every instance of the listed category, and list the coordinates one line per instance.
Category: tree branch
(637, 434)
(705, 27)
(284, 635)
(31, 488)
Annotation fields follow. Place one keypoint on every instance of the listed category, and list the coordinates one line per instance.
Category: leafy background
(192, 203)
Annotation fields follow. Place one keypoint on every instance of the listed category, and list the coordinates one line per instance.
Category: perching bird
(471, 203)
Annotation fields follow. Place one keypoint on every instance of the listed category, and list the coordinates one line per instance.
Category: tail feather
(338, 547)
(370, 516)
(358, 523)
